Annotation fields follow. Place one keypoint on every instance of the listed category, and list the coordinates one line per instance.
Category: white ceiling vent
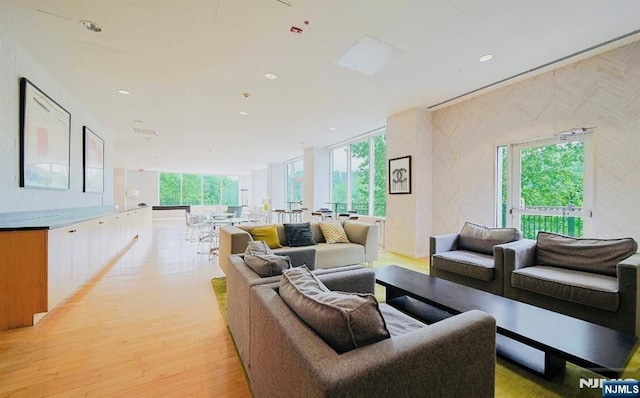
(142, 131)
(369, 55)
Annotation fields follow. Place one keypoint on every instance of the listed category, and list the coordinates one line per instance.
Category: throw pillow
(599, 256)
(258, 248)
(267, 233)
(481, 239)
(299, 234)
(343, 320)
(333, 232)
(268, 264)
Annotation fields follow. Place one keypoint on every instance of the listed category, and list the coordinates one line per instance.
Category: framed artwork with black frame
(93, 161)
(45, 131)
(400, 175)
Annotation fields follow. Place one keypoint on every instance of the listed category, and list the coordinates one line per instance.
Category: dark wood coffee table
(535, 338)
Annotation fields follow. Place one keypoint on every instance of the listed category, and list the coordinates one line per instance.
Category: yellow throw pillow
(268, 233)
(333, 232)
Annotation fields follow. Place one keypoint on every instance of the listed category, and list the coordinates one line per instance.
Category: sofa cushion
(467, 263)
(333, 232)
(481, 239)
(583, 254)
(586, 288)
(299, 234)
(398, 323)
(330, 255)
(267, 233)
(268, 264)
(344, 320)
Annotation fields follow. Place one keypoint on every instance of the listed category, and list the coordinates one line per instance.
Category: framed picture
(45, 130)
(93, 160)
(400, 175)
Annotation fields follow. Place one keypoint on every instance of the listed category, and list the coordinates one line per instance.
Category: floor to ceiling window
(358, 176)
(546, 185)
(196, 189)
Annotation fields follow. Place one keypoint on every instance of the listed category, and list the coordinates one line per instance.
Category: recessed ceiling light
(332, 128)
(243, 113)
(92, 26)
(124, 92)
(271, 76)
(485, 58)
(137, 120)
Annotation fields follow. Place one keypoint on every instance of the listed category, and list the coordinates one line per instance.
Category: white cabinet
(76, 253)
(59, 278)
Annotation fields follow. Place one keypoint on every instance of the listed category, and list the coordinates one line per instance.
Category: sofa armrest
(628, 273)
(364, 234)
(307, 367)
(232, 240)
(519, 254)
(357, 280)
(443, 243)
(300, 256)
(240, 280)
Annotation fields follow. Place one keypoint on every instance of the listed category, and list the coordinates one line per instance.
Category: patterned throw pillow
(333, 232)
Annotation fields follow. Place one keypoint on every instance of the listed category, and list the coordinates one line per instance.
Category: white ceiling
(188, 62)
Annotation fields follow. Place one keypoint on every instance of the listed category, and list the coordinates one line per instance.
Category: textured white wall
(146, 183)
(602, 91)
(317, 173)
(408, 225)
(258, 190)
(120, 187)
(15, 64)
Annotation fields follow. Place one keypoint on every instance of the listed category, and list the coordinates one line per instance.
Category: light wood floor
(149, 326)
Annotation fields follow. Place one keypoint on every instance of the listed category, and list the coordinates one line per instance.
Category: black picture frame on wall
(93, 161)
(400, 175)
(45, 133)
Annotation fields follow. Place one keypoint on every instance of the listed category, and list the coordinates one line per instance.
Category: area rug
(220, 289)
(511, 381)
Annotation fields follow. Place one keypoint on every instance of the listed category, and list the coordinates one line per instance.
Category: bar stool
(281, 215)
(295, 215)
(317, 216)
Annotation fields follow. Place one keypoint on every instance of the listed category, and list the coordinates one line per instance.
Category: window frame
(514, 207)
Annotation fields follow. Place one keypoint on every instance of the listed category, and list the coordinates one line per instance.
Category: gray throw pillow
(599, 256)
(481, 239)
(258, 248)
(344, 320)
(268, 264)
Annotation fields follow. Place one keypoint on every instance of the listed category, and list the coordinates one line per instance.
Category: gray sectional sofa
(241, 279)
(453, 357)
(363, 246)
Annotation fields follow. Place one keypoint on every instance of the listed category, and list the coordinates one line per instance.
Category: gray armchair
(592, 279)
(474, 257)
